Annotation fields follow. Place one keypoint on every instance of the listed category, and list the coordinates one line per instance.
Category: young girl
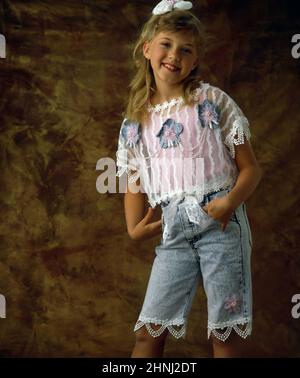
(184, 145)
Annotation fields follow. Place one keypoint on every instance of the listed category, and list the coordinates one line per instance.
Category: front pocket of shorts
(204, 212)
(248, 225)
(234, 218)
(162, 228)
(207, 220)
(162, 224)
(164, 233)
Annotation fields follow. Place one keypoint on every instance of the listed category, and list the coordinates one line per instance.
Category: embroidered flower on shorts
(209, 114)
(131, 132)
(169, 133)
(232, 304)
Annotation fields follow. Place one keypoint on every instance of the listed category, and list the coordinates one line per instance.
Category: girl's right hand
(146, 229)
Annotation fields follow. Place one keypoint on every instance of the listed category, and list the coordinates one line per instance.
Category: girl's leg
(147, 345)
(232, 347)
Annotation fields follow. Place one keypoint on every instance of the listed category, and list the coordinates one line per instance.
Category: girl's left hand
(220, 209)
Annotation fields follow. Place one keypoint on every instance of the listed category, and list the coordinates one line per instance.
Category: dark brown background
(73, 280)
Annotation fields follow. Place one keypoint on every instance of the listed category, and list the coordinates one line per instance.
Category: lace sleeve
(233, 123)
(127, 161)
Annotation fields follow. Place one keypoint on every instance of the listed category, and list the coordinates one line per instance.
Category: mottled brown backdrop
(73, 280)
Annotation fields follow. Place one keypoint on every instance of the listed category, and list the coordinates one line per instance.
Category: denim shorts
(195, 251)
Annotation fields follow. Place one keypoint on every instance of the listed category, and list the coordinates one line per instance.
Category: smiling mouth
(170, 67)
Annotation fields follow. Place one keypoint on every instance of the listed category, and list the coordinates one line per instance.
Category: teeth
(171, 68)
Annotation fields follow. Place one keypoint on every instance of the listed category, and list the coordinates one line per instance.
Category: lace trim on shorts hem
(164, 324)
(229, 327)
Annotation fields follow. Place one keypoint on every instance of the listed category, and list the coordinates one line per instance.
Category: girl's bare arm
(141, 222)
(249, 176)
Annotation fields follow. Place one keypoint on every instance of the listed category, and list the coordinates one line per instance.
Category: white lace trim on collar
(167, 105)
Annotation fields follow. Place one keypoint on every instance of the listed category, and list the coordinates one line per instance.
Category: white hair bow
(167, 5)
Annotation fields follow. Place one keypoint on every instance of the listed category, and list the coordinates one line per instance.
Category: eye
(165, 44)
(186, 51)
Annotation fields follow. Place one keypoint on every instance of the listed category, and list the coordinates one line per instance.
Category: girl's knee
(143, 335)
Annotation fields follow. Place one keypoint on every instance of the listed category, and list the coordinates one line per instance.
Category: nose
(174, 56)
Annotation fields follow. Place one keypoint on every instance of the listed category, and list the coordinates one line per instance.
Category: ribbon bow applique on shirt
(209, 114)
(169, 134)
(131, 133)
(168, 5)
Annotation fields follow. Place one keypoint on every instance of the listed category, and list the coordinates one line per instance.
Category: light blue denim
(195, 251)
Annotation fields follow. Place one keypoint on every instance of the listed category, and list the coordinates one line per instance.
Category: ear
(146, 49)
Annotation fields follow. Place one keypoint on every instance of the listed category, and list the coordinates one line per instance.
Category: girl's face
(172, 56)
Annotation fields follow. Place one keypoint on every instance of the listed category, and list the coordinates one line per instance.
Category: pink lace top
(184, 149)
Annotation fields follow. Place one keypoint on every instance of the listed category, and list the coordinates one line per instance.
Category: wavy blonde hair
(143, 84)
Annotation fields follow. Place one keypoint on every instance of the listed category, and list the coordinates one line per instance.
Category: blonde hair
(143, 84)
